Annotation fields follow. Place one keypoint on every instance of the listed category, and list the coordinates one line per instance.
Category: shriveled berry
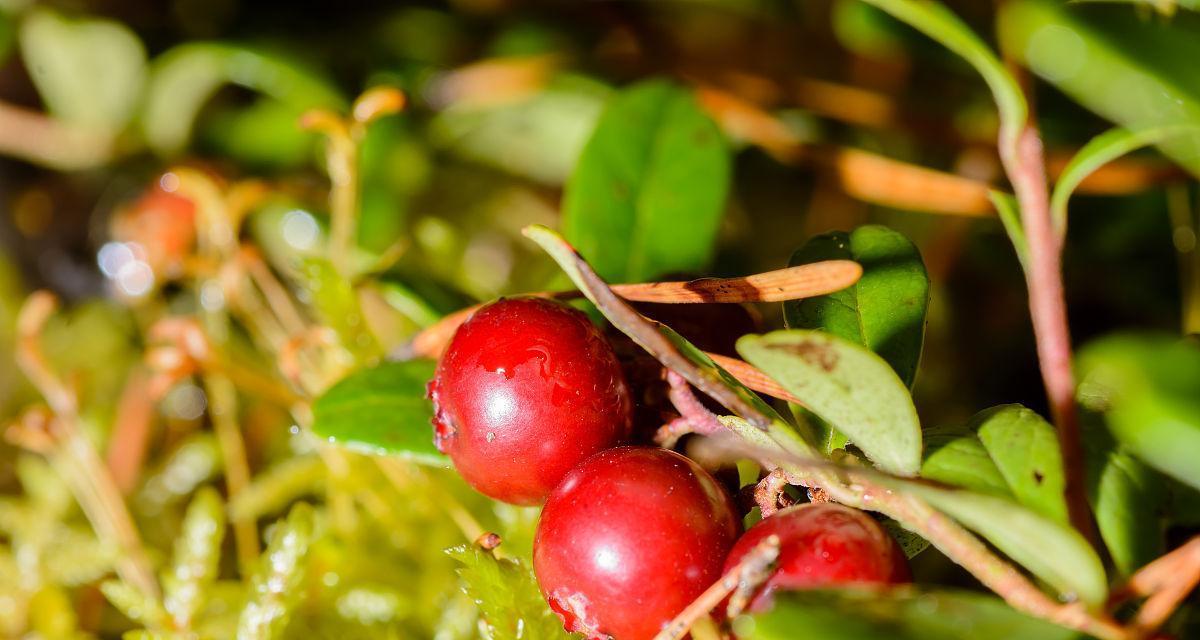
(527, 389)
(824, 545)
(628, 539)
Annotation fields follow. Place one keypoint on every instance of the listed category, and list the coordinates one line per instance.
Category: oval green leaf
(381, 410)
(1148, 387)
(1128, 499)
(885, 310)
(647, 195)
(1053, 551)
(844, 384)
(1136, 73)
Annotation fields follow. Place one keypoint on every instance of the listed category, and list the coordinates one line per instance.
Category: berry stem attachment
(741, 581)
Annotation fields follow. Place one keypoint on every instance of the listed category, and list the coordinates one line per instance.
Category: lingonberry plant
(632, 321)
(823, 545)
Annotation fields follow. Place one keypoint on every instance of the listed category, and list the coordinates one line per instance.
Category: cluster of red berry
(532, 407)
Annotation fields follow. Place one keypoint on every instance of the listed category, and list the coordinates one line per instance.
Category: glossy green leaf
(957, 457)
(648, 193)
(851, 388)
(381, 410)
(1098, 152)
(938, 22)
(1024, 448)
(1006, 451)
(759, 424)
(902, 614)
(510, 604)
(89, 72)
(1128, 500)
(885, 310)
(1148, 387)
(183, 79)
(1136, 73)
(1051, 550)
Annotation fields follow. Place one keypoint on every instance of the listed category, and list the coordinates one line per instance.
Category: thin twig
(83, 467)
(743, 578)
(223, 409)
(1177, 575)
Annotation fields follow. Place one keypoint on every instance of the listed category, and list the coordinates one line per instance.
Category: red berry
(628, 539)
(527, 389)
(162, 225)
(824, 545)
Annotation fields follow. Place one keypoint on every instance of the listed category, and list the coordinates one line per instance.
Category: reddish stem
(1025, 164)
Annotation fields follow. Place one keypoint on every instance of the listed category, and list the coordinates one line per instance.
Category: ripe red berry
(824, 545)
(527, 389)
(162, 225)
(628, 539)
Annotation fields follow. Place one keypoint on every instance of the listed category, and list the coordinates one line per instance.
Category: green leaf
(936, 21)
(381, 410)
(541, 137)
(901, 614)
(197, 558)
(1007, 451)
(275, 584)
(885, 310)
(851, 388)
(957, 457)
(1098, 152)
(337, 303)
(1148, 387)
(183, 79)
(1053, 551)
(1024, 448)
(507, 594)
(1010, 217)
(1136, 73)
(89, 72)
(759, 425)
(1128, 500)
(647, 195)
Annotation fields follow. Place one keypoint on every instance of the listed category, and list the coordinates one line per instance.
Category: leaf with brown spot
(847, 386)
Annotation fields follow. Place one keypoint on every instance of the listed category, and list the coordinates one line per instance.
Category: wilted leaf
(648, 193)
(381, 410)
